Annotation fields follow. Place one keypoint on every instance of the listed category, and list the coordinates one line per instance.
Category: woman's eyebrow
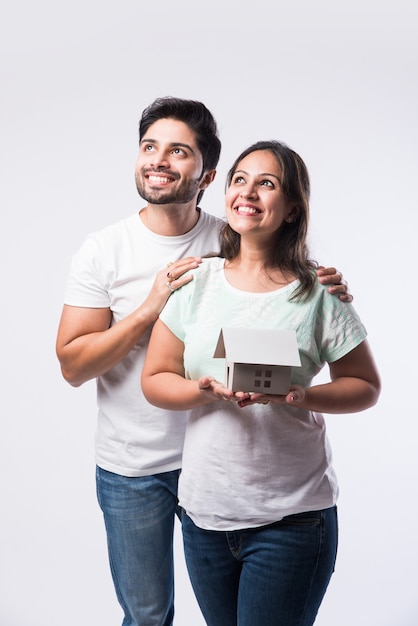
(259, 174)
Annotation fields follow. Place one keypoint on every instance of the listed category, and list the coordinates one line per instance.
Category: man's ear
(207, 179)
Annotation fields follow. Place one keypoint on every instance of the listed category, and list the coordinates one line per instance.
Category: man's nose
(160, 159)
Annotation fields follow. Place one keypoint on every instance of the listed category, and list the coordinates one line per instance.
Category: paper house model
(258, 359)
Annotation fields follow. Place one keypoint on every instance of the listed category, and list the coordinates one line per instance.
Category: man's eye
(178, 151)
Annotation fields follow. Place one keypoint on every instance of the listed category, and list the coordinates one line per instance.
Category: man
(119, 282)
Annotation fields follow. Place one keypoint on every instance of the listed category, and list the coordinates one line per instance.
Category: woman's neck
(248, 272)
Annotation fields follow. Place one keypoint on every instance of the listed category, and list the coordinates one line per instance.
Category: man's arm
(337, 285)
(88, 346)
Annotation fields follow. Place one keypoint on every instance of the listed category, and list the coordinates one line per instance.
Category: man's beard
(184, 193)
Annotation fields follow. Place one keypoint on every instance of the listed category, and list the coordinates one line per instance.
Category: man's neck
(170, 220)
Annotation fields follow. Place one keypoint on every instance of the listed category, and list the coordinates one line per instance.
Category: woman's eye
(266, 183)
(239, 179)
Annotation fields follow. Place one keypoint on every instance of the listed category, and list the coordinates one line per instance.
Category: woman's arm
(355, 386)
(163, 382)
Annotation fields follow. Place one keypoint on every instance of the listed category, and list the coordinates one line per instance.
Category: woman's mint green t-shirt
(249, 467)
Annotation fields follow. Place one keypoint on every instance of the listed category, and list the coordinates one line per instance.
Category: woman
(257, 487)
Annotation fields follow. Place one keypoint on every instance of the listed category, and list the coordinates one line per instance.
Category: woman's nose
(248, 191)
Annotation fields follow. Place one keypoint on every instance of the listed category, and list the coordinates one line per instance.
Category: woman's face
(255, 203)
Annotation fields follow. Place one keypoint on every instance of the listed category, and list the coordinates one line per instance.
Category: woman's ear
(292, 215)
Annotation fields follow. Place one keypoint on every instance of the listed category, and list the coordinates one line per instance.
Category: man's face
(169, 165)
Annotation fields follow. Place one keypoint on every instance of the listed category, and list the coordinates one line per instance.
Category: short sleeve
(176, 312)
(340, 329)
(87, 285)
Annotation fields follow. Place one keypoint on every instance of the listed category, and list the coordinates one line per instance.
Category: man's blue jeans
(139, 517)
(274, 575)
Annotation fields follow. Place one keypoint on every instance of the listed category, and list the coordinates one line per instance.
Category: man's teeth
(158, 179)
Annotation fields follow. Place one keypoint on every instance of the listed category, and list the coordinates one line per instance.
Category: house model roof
(258, 345)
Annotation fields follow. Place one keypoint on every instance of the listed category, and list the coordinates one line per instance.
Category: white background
(338, 83)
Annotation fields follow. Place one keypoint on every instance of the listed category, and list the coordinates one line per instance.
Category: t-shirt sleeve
(176, 311)
(340, 329)
(86, 283)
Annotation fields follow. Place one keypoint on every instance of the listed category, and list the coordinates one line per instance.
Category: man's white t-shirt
(116, 267)
(246, 467)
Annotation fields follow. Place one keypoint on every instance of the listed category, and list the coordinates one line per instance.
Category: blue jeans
(274, 575)
(139, 517)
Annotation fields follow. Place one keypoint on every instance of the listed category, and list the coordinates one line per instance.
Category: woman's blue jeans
(139, 517)
(274, 575)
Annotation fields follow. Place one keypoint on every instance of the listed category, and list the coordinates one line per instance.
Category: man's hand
(167, 280)
(337, 285)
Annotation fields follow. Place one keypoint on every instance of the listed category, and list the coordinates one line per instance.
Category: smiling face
(169, 165)
(255, 202)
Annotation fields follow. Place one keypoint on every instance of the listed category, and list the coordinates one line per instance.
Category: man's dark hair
(195, 115)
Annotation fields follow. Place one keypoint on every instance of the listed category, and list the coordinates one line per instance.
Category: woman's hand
(296, 394)
(217, 391)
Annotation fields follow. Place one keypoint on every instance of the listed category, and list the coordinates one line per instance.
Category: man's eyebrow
(174, 144)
